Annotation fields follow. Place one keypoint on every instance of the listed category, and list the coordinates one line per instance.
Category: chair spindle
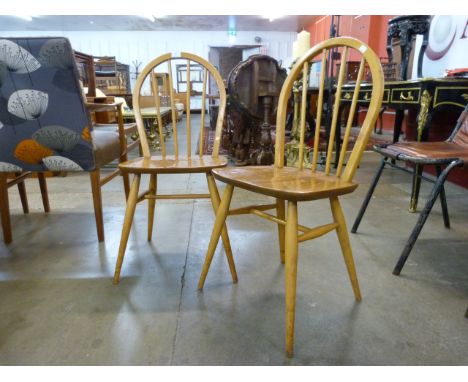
(318, 123)
(305, 82)
(349, 122)
(157, 101)
(336, 107)
(202, 122)
(189, 140)
(319, 109)
(173, 111)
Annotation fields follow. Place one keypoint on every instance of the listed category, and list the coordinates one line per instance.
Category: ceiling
(142, 23)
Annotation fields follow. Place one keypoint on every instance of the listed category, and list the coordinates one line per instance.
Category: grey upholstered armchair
(45, 123)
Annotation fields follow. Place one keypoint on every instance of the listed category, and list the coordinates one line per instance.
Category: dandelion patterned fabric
(44, 123)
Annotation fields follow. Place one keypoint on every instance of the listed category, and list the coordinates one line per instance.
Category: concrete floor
(59, 306)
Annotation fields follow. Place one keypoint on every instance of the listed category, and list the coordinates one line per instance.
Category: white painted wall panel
(143, 46)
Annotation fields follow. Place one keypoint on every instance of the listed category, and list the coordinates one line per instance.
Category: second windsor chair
(297, 184)
(177, 163)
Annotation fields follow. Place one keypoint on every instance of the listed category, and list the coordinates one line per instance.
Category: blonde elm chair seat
(178, 162)
(297, 183)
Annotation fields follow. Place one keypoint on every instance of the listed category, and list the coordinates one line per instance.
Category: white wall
(143, 46)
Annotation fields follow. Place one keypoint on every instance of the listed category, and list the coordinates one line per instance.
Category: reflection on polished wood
(172, 165)
(289, 185)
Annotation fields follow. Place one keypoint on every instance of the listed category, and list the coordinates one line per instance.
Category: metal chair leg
(368, 196)
(423, 216)
(443, 201)
(417, 174)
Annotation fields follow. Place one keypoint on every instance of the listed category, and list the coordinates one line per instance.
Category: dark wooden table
(426, 95)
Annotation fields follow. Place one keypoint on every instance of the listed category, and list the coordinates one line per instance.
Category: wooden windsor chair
(295, 184)
(176, 163)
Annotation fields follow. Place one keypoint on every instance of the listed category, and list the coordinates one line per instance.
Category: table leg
(424, 119)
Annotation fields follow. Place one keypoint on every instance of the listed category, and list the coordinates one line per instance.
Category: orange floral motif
(31, 152)
(86, 135)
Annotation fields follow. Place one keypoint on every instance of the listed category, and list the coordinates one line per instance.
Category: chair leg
(423, 217)
(97, 202)
(224, 233)
(23, 195)
(220, 220)
(151, 204)
(418, 170)
(129, 212)
(43, 186)
(443, 201)
(5, 209)
(343, 237)
(126, 183)
(368, 197)
(291, 252)
(280, 213)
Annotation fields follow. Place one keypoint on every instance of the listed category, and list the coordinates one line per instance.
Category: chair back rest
(460, 133)
(44, 123)
(299, 76)
(165, 64)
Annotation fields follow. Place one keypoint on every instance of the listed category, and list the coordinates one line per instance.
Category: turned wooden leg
(43, 186)
(23, 195)
(151, 205)
(224, 233)
(97, 201)
(5, 209)
(343, 237)
(220, 220)
(130, 211)
(280, 212)
(291, 251)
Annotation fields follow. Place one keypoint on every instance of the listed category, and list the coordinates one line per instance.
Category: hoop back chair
(45, 123)
(298, 183)
(444, 155)
(177, 162)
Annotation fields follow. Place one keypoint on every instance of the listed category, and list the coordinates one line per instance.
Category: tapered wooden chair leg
(291, 252)
(126, 183)
(224, 233)
(129, 212)
(44, 194)
(220, 220)
(123, 158)
(343, 237)
(23, 195)
(5, 209)
(151, 205)
(97, 201)
(280, 213)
